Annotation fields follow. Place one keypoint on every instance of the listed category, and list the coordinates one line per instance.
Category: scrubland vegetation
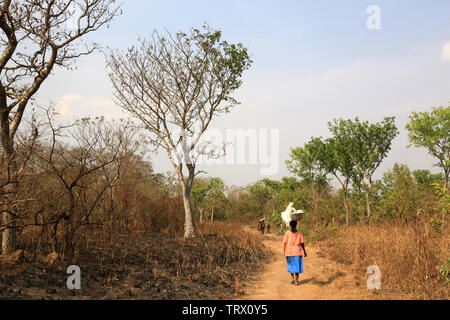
(85, 193)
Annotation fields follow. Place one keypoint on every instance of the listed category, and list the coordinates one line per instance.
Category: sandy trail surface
(323, 279)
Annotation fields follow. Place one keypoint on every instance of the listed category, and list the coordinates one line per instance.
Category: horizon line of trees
(174, 85)
(95, 175)
(351, 156)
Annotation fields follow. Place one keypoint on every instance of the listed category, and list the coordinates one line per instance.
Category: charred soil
(141, 266)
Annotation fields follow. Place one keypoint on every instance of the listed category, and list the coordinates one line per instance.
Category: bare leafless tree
(79, 164)
(176, 84)
(36, 36)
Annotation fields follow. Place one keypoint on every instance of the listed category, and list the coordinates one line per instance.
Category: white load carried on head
(286, 214)
(290, 214)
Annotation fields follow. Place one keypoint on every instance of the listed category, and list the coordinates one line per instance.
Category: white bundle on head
(286, 214)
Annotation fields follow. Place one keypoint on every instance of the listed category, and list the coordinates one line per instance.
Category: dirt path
(322, 279)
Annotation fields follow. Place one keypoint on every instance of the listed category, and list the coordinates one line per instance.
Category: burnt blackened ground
(145, 266)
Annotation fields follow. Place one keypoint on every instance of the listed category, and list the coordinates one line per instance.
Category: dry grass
(238, 236)
(239, 245)
(409, 257)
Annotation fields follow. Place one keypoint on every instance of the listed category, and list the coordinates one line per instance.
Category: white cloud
(74, 106)
(446, 52)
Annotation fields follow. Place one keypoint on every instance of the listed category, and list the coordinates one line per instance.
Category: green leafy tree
(288, 192)
(425, 182)
(431, 130)
(239, 203)
(260, 194)
(426, 178)
(399, 192)
(334, 156)
(305, 162)
(274, 189)
(198, 194)
(367, 146)
(215, 198)
(284, 191)
(208, 194)
(443, 203)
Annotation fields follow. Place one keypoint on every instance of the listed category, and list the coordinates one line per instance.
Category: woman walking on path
(294, 248)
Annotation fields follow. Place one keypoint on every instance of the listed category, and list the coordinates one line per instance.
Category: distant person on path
(268, 228)
(263, 226)
(294, 248)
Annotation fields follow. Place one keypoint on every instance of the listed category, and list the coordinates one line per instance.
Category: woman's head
(293, 224)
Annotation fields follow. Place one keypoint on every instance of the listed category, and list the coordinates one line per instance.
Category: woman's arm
(304, 250)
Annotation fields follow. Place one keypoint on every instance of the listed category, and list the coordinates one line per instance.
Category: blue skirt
(295, 264)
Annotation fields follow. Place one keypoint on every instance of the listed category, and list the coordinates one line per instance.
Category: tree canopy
(175, 85)
(431, 130)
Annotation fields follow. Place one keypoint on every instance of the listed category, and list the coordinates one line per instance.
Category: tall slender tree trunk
(9, 173)
(186, 185)
(446, 169)
(8, 234)
(315, 205)
(347, 210)
(8, 218)
(212, 214)
(201, 215)
(70, 227)
(369, 210)
(189, 231)
(368, 207)
(446, 179)
(361, 213)
(344, 184)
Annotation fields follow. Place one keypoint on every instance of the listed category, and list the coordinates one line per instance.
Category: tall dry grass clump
(411, 257)
(233, 230)
(232, 247)
(244, 244)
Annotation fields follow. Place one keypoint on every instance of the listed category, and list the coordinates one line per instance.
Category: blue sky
(313, 61)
